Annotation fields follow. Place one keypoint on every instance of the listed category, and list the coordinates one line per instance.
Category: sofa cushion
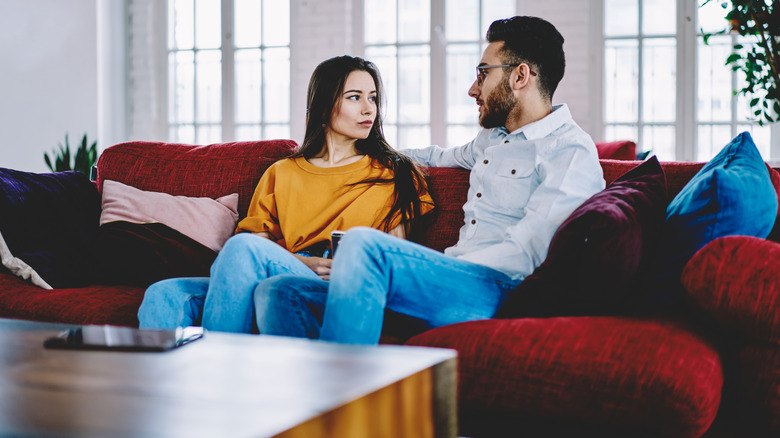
(48, 221)
(617, 150)
(116, 305)
(199, 171)
(207, 221)
(735, 280)
(647, 375)
(141, 254)
(595, 256)
(732, 194)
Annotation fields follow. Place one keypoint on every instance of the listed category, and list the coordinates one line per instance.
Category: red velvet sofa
(652, 375)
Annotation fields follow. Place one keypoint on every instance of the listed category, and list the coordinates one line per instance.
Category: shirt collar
(559, 116)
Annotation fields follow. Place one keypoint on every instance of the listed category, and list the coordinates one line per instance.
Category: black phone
(114, 338)
(335, 237)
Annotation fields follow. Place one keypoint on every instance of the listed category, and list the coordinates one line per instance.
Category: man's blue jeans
(373, 271)
(244, 262)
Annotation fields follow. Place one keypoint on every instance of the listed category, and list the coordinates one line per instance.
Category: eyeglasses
(482, 71)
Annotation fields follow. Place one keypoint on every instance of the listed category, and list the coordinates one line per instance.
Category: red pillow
(597, 255)
(735, 280)
(617, 150)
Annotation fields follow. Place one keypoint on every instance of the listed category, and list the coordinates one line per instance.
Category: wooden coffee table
(224, 385)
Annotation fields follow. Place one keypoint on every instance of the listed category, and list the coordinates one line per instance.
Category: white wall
(48, 78)
(578, 22)
(324, 31)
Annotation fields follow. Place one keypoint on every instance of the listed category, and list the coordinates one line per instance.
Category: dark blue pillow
(730, 195)
(49, 221)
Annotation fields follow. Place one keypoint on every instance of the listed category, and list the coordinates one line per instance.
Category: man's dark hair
(535, 42)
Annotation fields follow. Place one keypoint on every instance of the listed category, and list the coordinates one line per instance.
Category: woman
(344, 175)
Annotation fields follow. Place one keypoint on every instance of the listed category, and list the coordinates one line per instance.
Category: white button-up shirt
(522, 186)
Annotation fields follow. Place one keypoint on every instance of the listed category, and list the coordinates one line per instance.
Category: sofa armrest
(734, 280)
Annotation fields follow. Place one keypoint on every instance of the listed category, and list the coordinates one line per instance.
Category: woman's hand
(319, 265)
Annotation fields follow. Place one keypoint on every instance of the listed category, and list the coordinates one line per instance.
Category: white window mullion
(687, 127)
(640, 127)
(775, 146)
(597, 80)
(228, 74)
(438, 74)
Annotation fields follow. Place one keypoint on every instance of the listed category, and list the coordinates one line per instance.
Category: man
(530, 168)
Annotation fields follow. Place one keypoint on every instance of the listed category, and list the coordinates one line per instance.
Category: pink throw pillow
(207, 221)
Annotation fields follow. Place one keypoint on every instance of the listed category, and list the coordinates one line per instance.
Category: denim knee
(240, 247)
(172, 303)
(269, 292)
(360, 239)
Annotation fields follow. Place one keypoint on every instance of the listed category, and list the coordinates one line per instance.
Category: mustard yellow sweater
(300, 204)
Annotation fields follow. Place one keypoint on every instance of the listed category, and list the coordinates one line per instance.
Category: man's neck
(527, 113)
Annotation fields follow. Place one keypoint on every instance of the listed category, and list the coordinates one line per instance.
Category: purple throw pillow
(598, 254)
(49, 221)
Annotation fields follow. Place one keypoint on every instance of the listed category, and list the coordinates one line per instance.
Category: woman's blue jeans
(373, 271)
(226, 300)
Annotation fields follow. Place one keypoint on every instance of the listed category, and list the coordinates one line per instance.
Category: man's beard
(497, 106)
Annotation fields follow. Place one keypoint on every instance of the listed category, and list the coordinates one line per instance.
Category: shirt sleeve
(434, 156)
(262, 215)
(567, 178)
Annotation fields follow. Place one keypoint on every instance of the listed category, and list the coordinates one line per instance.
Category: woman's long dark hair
(325, 89)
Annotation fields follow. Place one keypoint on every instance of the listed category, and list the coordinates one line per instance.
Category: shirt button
(486, 161)
(473, 221)
(479, 195)
(514, 171)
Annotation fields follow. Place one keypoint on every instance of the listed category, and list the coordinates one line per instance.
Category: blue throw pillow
(731, 195)
(49, 221)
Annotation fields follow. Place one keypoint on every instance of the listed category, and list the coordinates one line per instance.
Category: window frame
(227, 49)
(686, 121)
(438, 125)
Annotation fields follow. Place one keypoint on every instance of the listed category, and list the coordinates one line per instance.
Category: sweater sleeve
(262, 215)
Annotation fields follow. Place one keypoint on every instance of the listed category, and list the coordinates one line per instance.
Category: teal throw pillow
(731, 195)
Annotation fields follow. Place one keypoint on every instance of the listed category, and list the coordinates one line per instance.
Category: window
(640, 52)
(427, 52)
(720, 113)
(223, 74)
(667, 90)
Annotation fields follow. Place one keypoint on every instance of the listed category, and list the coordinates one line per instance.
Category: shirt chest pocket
(513, 183)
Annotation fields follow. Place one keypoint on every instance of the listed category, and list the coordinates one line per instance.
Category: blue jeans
(244, 262)
(372, 272)
(289, 305)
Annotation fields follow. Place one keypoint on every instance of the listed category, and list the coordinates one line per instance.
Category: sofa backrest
(221, 169)
(449, 188)
(186, 170)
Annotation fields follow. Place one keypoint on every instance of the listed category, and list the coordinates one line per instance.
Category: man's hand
(319, 265)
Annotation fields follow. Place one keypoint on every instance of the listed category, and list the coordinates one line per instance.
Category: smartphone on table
(115, 338)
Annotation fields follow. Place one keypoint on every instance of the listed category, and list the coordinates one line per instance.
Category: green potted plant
(760, 62)
(85, 158)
